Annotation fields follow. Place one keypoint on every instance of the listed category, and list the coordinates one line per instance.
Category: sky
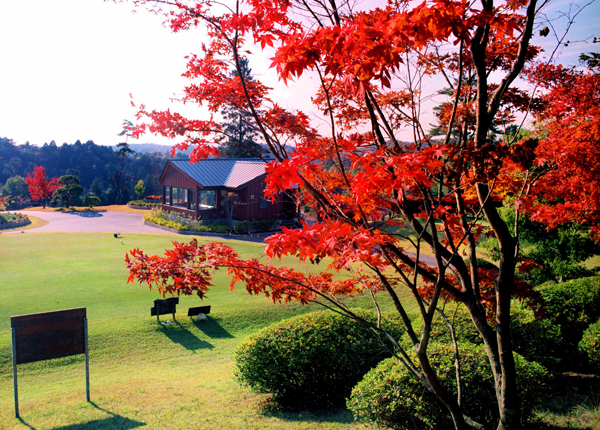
(70, 67)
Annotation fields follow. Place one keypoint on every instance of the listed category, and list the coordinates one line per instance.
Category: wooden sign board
(166, 306)
(192, 312)
(48, 335)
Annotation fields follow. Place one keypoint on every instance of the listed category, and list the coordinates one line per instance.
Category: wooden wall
(248, 209)
(175, 178)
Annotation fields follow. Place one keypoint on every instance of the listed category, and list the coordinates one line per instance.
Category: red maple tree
(568, 155)
(40, 187)
(368, 187)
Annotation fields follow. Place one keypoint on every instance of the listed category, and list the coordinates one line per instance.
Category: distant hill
(144, 148)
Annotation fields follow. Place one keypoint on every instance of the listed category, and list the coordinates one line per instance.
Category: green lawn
(149, 376)
(143, 375)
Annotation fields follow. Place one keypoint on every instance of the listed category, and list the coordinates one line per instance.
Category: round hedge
(535, 338)
(590, 343)
(310, 361)
(388, 395)
(572, 305)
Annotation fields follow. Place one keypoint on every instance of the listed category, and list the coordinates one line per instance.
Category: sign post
(14, 362)
(48, 335)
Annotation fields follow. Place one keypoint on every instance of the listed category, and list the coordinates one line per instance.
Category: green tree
(140, 189)
(240, 134)
(558, 254)
(69, 189)
(591, 60)
(119, 181)
(91, 200)
(99, 188)
(16, 192)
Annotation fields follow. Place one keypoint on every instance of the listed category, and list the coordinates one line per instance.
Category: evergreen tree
(119, 181)
(240, 136)
(69, 189)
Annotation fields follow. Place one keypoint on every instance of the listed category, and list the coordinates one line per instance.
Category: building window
(180, 196)
(251, 196)
(207, 199)
(176, 195)
(264, 204)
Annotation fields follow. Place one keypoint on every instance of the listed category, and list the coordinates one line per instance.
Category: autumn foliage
(568, 156)
(40, 187)
(392, 214)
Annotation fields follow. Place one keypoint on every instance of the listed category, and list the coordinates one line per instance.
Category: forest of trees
(95, 166)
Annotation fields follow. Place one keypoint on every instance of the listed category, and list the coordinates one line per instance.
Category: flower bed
(179, 222)
(13, 220)
(141, 204)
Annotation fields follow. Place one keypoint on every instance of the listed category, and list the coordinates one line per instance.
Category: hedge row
(390, 396)
(319, 359)
(312, 360)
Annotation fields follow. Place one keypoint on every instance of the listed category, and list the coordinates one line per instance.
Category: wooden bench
(164, 306)
(199, 312)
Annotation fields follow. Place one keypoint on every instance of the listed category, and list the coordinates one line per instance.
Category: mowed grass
(143, 375)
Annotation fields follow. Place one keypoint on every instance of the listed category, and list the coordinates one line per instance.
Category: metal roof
(219, 172)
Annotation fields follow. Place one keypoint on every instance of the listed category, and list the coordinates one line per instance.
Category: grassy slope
(142, 374)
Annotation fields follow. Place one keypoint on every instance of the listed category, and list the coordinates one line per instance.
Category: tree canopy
(40, 187)
(384, 203)
(240, 135)
(97, 165)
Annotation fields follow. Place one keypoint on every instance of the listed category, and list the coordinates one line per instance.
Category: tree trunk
(442, 394)
(506, 381)
(508, 400)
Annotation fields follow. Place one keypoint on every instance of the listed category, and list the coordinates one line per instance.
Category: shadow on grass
(25, 423)
(213, 329)
(181, 335)
(113, 422)
(272, 409)
(574, 404)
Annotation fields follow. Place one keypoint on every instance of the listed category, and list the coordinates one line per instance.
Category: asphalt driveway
(115, 222)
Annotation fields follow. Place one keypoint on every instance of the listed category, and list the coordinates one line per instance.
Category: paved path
(93, 222)
(113, 222)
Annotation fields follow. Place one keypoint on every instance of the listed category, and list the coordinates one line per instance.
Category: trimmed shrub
(180, 222)
(142, 202)
(572, 305)
(256, 226)
(590, 343)
(464, 328)
(91, 200)
(310, 361)
(535, 338)
(12, 218)
(390, 396)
